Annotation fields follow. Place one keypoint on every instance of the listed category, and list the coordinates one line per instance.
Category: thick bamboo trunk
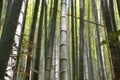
(63, 43)
(8, 34)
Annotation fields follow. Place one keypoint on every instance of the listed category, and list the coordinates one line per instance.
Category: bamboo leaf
(24, 74)
(114, 34)
(103, 42)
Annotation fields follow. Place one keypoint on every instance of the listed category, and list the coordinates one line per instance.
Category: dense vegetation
(59, 39)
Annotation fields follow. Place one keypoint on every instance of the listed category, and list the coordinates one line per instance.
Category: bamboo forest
(59, 39)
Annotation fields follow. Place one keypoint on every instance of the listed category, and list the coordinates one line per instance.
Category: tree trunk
(73, 41)
(118, 5)
(97, 39)
(8, 34)
(38, 45)
(82, 50)
(31, 37)
(1, 4)
(114, 51)
(50, 43)
(63, 43)
(90, 65)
